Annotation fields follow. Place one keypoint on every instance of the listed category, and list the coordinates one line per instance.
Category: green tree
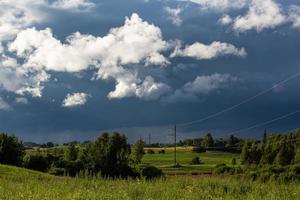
(83, 155)
(208, 141)
(110, 155)
(297, 155)
(285, 154)
(36, 161)
(71, 153)
(255, 153)
(11, 150)
(251, 153)
(245, 154)
(138, 152)
(268, 154)
(264, 140)
(232, 141)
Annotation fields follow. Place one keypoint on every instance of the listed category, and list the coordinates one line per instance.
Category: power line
(242, 102)
(175, 143)
(264, 123)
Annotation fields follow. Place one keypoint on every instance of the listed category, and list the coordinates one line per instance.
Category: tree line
(109, 155)
(275, 156)
(274, 149)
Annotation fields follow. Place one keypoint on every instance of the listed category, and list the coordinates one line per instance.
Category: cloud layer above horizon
(74, 56)
(121, 55)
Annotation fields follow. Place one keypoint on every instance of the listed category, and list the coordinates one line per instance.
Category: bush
(162, 151)
(253, 175)
(73, 167)
(223, 169)
(36, 162)
(150, 151)
(151, 172)
(56, 171)
(196, 161)
(198, 150)
(295, 169)
(233, 161)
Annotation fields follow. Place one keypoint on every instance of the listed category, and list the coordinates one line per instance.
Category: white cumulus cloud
(294, 15)
(174, 15)
(225, 20)
(73, 4)
(21, 100)
(75, 99)
(221, 4)
(201, 85)
(135, 43)
(4, 105)
(202, 51)
(120, 56)
(262, 14)
(25, 81)
(147, 89)
(15, 16)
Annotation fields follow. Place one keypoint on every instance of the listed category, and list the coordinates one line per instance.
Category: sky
(71, 69)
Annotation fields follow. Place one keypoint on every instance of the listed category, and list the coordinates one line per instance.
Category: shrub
(73, 167)
(36, 162)
(276, 169)
(233, 161)
(56, 171)
(253, 175)
(162, 151)
(239, 170)
(223, 169)
(295, 169)
(150, 151)
(196, 161)
(198, 150)
(151, 172)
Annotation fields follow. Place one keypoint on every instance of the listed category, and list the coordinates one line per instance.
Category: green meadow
(18, 183)
(184, 157)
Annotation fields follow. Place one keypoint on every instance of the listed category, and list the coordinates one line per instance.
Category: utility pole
(149, 139)
(175, 161)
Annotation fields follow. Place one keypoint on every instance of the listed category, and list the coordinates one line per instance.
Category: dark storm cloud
(272, 55)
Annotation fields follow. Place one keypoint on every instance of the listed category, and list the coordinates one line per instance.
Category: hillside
(18, 184)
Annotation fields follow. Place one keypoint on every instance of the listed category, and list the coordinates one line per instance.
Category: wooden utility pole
(175, 161)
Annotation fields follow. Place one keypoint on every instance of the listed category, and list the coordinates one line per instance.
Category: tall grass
(18, 184)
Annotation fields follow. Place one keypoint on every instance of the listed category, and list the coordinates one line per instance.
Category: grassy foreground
(18, 184)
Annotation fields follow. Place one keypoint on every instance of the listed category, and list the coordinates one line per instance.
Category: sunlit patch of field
(184, 157)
